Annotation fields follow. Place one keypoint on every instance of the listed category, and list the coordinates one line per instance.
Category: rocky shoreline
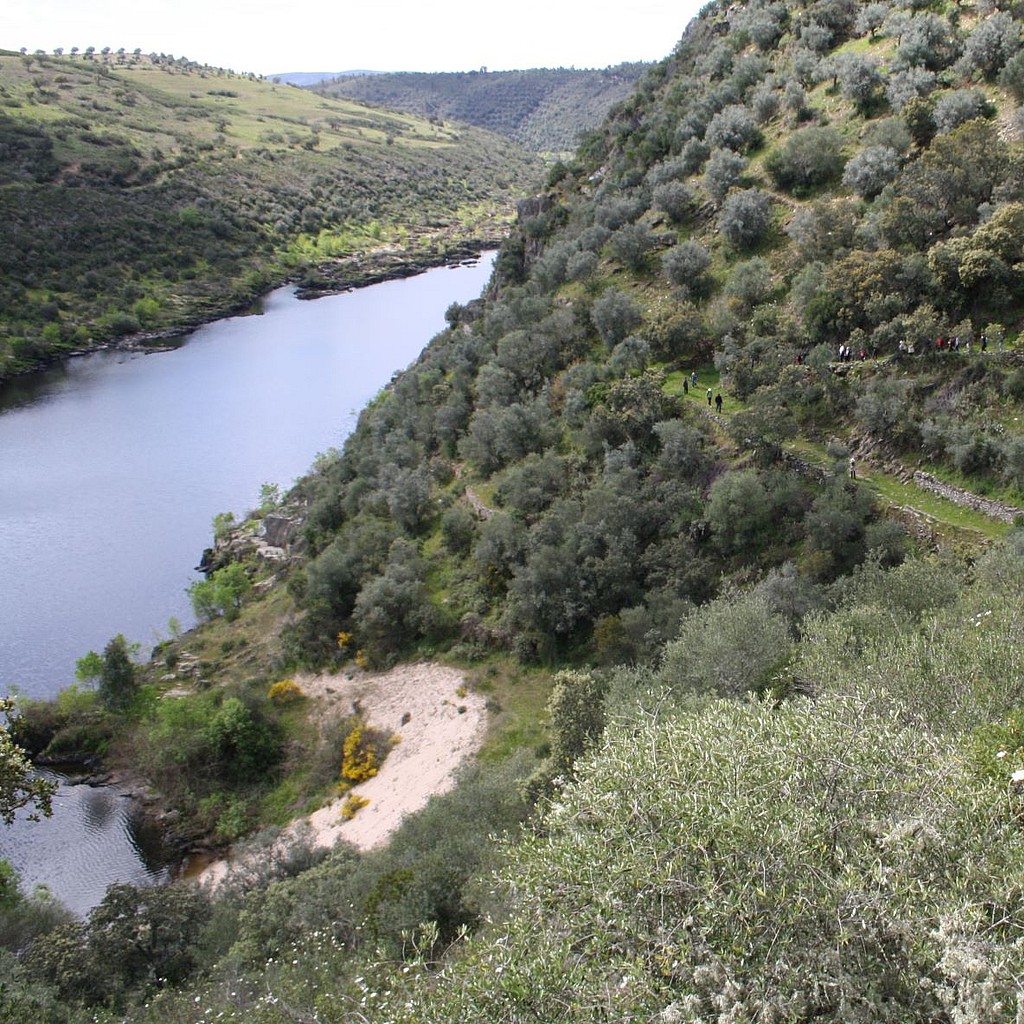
(364, 269)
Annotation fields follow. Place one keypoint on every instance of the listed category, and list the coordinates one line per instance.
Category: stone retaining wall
(996, 509)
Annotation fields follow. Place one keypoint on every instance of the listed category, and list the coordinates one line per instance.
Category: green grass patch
(517, 699)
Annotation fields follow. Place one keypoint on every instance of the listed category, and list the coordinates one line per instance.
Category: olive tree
(723, 172)
(871, 170)
(808, 158)
(729, 647)
(615, 315)
(685, 264)
(745, 217)
(953, 109)
(734, 127)
(673, 198)
(909, 84)
(991, 44)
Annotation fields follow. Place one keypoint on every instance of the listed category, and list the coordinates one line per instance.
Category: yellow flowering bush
(353, 803)
(285, 691)
(362, 752)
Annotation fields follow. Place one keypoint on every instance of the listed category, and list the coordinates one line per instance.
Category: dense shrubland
(784, 772)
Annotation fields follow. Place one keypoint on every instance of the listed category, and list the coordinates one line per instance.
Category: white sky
(271, 36)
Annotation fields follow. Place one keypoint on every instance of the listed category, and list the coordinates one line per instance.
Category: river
(112, 467)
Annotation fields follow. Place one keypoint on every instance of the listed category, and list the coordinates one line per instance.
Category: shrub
(245, 745)
(352, 804)
(285, 691)
(114, 673)
(576, 714)
(363, 752)
(745, 217)
(726, 855)
(220, 593)
(808, 158)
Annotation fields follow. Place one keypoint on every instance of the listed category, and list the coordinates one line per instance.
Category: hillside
(307, 79)
(545, 110)
(755, 683)
(142, 193)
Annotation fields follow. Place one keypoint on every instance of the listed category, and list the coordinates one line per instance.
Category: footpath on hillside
(931, 508)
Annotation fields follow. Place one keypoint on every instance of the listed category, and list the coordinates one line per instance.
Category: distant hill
(308, 79)
(545, 110)
(140, 193)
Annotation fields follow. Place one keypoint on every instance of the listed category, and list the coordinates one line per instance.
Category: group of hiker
(691, 381)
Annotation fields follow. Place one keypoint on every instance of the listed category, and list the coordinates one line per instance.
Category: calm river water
(111, 470)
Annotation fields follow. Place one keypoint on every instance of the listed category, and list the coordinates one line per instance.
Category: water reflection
(95, 838)
(97, 808)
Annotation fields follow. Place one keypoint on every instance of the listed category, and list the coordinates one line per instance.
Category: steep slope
(142, 192)
(833, 257)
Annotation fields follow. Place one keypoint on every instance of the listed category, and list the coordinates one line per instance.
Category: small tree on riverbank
(220, 593)
(113, 673)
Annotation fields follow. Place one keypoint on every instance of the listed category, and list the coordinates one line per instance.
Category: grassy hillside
(140, 193)
(546, 110)
(781, 768)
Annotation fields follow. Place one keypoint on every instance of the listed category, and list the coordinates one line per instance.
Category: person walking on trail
(709, 398)
(853, 468)
(718, 403)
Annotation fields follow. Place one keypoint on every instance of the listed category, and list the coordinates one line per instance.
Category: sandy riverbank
(439, 725)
